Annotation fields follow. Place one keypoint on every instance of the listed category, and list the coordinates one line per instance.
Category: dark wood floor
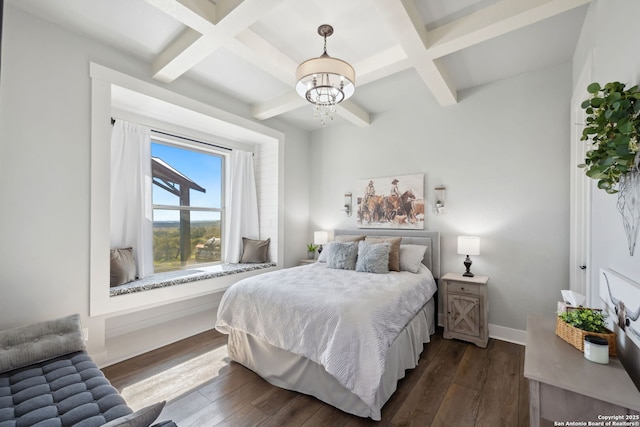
(455, 384)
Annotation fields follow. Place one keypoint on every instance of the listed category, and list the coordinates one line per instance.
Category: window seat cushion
(174, 278)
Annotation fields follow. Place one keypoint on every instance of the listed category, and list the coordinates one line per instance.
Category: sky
(204, 169)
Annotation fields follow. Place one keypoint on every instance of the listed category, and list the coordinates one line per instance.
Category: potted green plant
(575, 323)
(612, 126)
(311, 250)
(587, 319)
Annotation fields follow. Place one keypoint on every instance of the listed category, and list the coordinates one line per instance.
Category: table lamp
(468, 245)
(320, 238)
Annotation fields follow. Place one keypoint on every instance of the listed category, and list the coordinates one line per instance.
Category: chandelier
(325, 81)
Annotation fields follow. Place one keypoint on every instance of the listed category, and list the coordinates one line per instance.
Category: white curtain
(242, 205)
(131, 211)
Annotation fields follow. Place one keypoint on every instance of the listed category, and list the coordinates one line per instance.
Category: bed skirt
(294, 372)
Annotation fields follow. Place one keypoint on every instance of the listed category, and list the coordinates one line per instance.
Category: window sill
(175, 278)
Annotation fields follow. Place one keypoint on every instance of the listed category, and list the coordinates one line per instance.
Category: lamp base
(467, 264)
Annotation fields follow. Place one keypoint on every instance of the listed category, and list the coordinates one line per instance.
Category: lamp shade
(325, 80)
(320, 237)
(468, 245)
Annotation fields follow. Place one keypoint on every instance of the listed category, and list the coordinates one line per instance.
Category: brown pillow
(254, 250)
(394, 250)
(123, 266)
(348, 238)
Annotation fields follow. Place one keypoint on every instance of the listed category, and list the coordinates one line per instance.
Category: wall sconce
(441, 195)
(347, 203)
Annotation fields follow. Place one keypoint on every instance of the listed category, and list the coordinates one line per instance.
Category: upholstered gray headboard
(430, 239)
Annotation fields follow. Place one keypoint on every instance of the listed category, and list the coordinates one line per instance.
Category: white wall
(501, 152)
(610, 34)
(45, 169)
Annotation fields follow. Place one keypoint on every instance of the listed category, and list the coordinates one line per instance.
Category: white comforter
(340, 319)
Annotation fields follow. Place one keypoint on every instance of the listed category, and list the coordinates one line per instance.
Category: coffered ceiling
(250, 49)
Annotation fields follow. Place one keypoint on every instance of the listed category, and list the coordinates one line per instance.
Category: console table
(564, 386)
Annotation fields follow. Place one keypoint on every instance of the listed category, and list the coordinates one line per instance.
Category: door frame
(580, 192)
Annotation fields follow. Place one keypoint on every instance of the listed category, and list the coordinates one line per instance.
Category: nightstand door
(466, 308)
(463, 314)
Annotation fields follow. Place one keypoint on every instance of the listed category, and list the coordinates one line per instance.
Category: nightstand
(306, 261)
(466, 308)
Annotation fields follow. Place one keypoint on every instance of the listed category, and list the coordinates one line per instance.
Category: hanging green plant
(613, 127)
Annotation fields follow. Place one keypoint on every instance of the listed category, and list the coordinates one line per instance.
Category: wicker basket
(575, 336)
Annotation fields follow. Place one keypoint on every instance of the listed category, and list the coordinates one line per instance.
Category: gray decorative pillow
(394, 249)
(140, 418)
(123, 266)
(342, 255)
(41, 341)
(255, 251)
(373, 257)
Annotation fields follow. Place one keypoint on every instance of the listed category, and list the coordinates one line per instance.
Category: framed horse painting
(391, 202)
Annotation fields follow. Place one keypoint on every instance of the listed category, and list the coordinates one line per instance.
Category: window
(112, 93)
(188, 206)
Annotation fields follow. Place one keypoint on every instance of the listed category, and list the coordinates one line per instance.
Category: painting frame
(393, 202)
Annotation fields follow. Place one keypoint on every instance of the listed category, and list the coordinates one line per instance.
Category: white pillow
(411, 257)
(322, 257)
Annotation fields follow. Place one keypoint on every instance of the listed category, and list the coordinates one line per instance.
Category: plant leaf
(626, 127)
(593, 88)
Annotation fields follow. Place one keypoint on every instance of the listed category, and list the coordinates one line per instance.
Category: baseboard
(501, 333)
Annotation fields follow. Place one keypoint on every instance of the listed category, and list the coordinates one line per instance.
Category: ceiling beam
(404, 20)
(493, 21)
(257, 51)
(279, 105)
(199, 15)
(380, 65)
(227, 22)
(180, 56)
(435, 75)
(353, 113)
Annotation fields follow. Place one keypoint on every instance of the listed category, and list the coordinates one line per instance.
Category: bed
(343, 336)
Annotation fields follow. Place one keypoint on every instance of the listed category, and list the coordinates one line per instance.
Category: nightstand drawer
(465, 288)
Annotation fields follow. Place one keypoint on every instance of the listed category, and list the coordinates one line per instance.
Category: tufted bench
(48, 380)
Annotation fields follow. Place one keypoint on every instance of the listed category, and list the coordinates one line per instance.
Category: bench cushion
(64, 391)
(34, 343)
